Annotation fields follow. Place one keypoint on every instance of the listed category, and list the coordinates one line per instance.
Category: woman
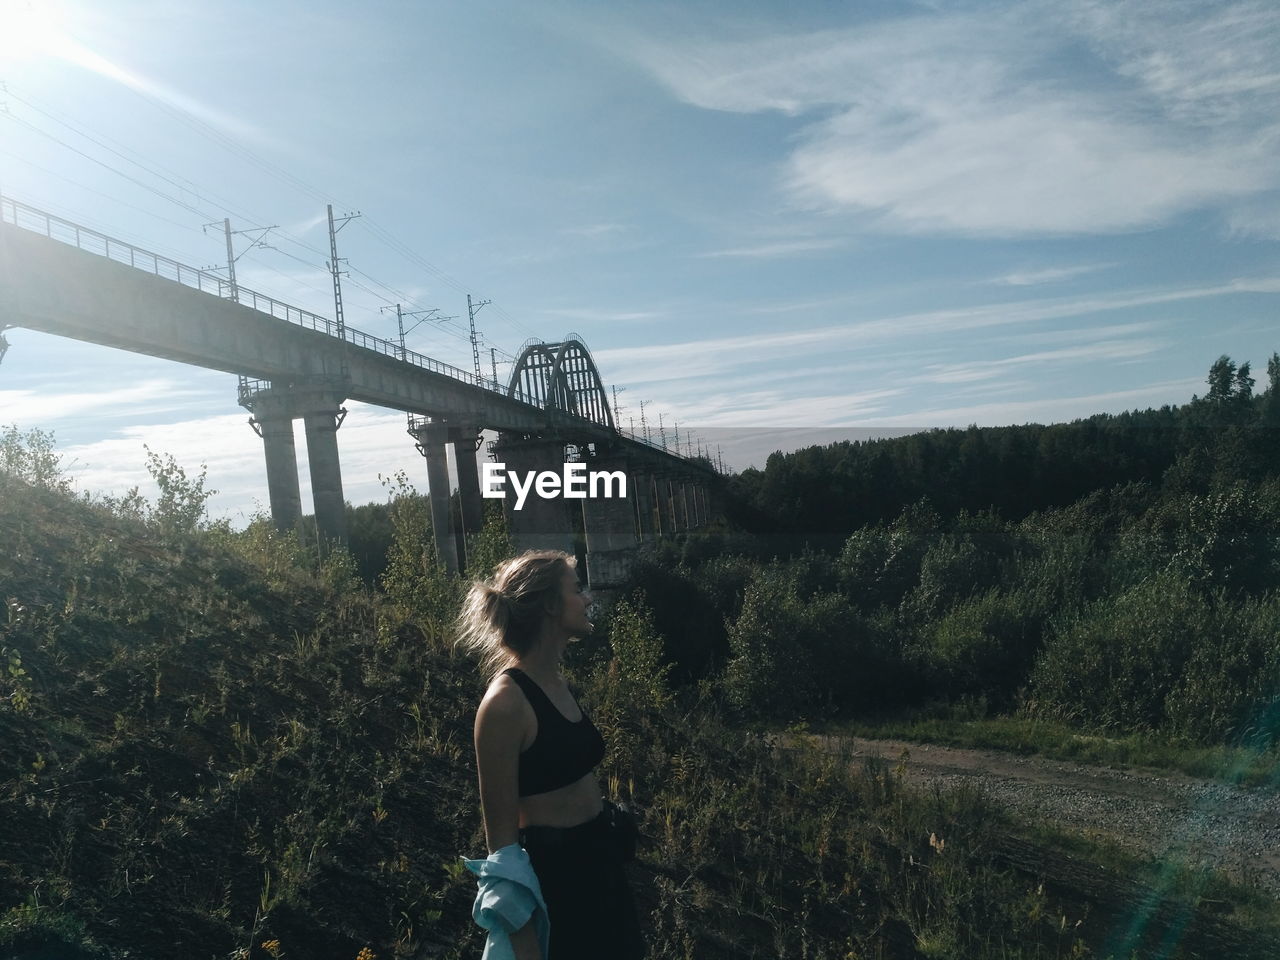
(535, 753)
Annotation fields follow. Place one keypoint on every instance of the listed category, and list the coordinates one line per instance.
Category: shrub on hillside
(1227, 540)
(415, 580)
(984, 646)
(723, 581)
(685, 617)
(626, 681)
(490, 546)
(1115, 663)
(953, 569)
(793, 655)
(878, 565)
(29, 457)
(1230, 686)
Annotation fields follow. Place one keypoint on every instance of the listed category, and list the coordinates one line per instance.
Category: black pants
(593, 914)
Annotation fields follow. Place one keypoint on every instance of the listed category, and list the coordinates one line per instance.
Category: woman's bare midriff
(567, 807)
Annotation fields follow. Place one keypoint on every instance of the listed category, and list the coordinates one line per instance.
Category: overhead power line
(206, 198)
(158, 172)
(203, 214)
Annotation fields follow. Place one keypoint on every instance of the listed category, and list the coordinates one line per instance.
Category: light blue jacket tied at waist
(509, 895)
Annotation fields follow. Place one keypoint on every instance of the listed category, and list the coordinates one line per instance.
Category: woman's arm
(501, 725)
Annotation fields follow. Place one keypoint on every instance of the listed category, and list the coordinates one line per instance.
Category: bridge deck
(68, 280)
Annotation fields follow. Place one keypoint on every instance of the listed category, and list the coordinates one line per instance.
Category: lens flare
(30, 30)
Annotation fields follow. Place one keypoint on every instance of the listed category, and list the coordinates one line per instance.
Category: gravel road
(1160, 815)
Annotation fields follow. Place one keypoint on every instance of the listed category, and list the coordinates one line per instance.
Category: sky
(765, 223)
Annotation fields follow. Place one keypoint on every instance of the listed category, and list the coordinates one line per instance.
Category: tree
(1222, 378)
(1230, 397)
(1271, 398)
(30, 457)
(183, 500)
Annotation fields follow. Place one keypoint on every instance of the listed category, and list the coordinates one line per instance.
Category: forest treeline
(822, 493)
(1133, 591)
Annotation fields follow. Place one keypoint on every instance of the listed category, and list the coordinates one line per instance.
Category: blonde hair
(501, 617)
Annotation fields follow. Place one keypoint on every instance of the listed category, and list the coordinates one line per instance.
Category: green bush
(794, 656)
(1226, 540)
(879, 565)
(1115, 663)
(723, 581)
(953, 568)
(415, 580)
(490, 547)
(685, 616)
(1230, 686)
(30, 457)
(984, 646)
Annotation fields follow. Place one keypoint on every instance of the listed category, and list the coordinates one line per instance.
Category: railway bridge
(65, 279)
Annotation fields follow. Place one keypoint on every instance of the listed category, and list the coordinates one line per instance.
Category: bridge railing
(91, 241)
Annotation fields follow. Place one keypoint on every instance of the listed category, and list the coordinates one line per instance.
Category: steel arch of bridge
(561, 377)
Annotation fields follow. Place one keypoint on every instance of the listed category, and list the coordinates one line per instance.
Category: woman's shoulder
(504, 700)
(505, 716)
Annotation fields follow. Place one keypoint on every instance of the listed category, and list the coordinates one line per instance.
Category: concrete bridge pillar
(321, 420)
(670, 516)
(274, 408)
(661, 513)
(432, 438)
(464, 441)
(646, 523)
(540, 524)
(272, 420)
(610, 526)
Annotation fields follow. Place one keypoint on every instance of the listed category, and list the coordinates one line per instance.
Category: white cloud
(596, 315)
(776, 408)
(1045, 410)
(149, 397)
(1089, 334)
(978, 122)
(700, 359)
(1207, 64)
(591, 230)
(783, 248)
(1028, 278)
(199, 111)
(1255, 218)
(988, 369)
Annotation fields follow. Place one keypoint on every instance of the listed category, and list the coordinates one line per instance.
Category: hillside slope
(207, 752)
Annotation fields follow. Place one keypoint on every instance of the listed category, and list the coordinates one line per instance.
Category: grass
(1231, 902)
(1235, 765)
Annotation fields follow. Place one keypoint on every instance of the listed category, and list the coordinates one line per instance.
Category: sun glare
(29, 30)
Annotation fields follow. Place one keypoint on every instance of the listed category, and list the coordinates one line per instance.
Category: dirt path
(1157, 814)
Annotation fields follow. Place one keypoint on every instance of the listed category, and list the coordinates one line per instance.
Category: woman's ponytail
(501, 618)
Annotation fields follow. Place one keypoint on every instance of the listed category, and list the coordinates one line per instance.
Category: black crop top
(563, 751)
